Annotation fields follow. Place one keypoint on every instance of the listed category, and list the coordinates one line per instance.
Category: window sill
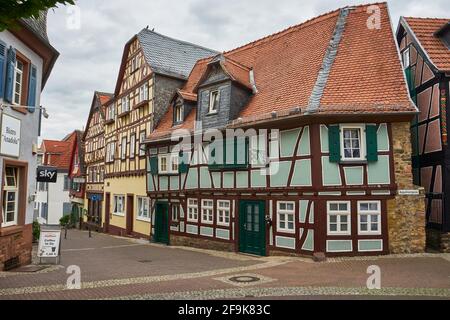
(143, 220)
(108, 122)
(118, 214)
(353, 162)
(217, 167)
(141, 104)
(7, 231)
(20, 110)
(331, 234)
(286, 231)
(212, 113)
(123, 114)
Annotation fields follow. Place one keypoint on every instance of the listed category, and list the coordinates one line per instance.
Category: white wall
(56, 198)
(29, 121)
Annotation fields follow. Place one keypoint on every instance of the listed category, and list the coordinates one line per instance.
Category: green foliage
(36, 231)
(13, 10)
(64, 221)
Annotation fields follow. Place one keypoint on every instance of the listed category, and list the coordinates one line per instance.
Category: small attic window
(214, 102)
(406, 58)
(178, 114)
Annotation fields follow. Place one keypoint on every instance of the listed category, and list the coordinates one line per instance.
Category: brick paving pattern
(118, 268)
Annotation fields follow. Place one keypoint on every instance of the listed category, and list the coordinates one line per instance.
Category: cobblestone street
(118, 268)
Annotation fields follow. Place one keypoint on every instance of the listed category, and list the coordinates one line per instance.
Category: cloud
(90, 57)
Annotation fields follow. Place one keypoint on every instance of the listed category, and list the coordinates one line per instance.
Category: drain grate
(11, 264)
(244, 279)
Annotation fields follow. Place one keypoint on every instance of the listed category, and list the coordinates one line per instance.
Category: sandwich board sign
(49, 244)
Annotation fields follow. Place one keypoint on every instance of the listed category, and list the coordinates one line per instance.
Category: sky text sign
(47, 174)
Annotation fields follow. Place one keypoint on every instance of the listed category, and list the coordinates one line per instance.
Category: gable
(130, 76)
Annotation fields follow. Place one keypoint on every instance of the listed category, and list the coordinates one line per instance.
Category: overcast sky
(91, 54)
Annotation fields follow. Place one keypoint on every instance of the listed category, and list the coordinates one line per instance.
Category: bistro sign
(10, 136)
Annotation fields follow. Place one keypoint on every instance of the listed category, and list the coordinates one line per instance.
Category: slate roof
(424, 30)
(335, 58)
(37, 26)
(169, 56)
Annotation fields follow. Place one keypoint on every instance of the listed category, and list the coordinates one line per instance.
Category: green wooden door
(162, 223)
(252, 228)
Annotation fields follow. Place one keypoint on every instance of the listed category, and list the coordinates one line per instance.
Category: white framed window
(168, 163)
(10, 197)
(18, 81)
(119, 205)
(175, 212)
(178, 114)
(192, 210)
(133, 145)
(406, 54)
(353, 143)
(369, 217)
(286, 216)
(143, 93)
(141, 143)
(111, 112)
(125, 104)
(123, 148)
(339, 217)
(207, 211)
(214, 99)
(143, 208)
(223, 212)
(110, 150)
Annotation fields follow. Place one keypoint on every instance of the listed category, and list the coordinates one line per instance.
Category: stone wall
(201, 243)
(406, 214)
(438, 240)
(16, 244)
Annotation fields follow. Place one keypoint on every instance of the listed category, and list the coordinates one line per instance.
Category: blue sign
(95, 197)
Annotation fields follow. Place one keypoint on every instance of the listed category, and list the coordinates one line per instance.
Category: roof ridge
(178, 40)
(426, 18)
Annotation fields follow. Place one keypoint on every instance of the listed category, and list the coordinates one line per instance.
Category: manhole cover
(145, 261)
(244, 279)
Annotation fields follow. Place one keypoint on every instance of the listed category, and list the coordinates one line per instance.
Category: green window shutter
(372, 143)
(183, 166)
(154, 165)
(334, 138)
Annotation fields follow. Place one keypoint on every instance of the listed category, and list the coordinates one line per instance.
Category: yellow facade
(135, 186)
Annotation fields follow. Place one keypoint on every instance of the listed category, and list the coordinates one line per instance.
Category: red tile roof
(58, 153)
(366, 76)
(424, 29)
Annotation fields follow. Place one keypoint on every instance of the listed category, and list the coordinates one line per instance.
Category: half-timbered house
(153, 67)
(77, 178)
(425, 50)
(316, 158)
(94, 160)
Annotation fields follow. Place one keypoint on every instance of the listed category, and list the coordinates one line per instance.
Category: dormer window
(178, 114)
(214, 99)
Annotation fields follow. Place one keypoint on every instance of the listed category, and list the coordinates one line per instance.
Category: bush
(36, 231)
(64, 221)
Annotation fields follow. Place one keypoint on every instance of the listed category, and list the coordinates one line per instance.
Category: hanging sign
(10, 136)
(47, 174)
(49, 244)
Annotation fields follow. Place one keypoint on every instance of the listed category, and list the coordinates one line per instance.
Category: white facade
(29, 123)
(58, 199)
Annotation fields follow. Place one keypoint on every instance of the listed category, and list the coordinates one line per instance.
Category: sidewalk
(115, 268)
